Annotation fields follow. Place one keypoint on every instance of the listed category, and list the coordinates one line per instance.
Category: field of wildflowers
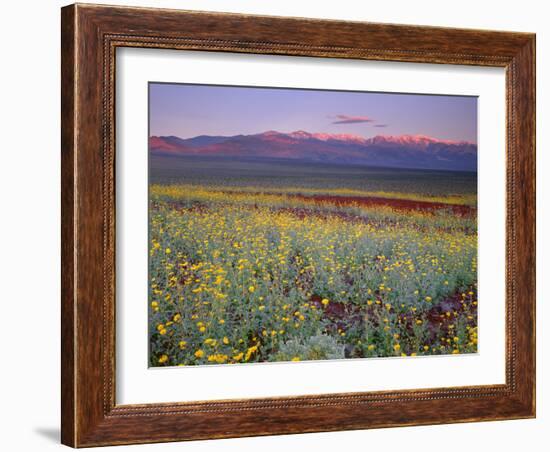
(242, 274)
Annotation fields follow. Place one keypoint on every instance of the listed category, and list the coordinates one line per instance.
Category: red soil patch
(402, 204)
(366, 201)
(371, 201)
(342, 316)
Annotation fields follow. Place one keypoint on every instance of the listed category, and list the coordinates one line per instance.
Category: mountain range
(403, 151)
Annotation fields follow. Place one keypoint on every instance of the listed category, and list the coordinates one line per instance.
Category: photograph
(291, 224)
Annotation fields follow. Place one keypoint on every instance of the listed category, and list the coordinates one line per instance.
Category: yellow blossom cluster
(241, 276)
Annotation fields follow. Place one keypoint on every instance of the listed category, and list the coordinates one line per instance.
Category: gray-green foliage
(315, 347)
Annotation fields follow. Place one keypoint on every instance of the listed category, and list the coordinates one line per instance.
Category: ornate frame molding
(90, 37)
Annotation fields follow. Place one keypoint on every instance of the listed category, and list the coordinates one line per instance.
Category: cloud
(346, 119)
(380, 125)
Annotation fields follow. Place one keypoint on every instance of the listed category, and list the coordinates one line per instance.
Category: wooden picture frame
(90, 36)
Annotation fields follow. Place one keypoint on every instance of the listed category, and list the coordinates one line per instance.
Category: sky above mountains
(190, 110)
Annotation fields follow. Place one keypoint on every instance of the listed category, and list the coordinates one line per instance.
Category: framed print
(278, 225)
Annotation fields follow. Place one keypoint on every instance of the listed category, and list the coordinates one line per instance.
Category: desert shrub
(315, 347)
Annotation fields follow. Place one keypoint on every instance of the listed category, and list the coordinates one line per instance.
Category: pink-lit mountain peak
(303, 135)
(403, 151)
(410, 140)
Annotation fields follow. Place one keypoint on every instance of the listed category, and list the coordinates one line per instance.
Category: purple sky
(190, 110)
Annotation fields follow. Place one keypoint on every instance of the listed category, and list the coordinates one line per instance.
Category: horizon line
(351, 135)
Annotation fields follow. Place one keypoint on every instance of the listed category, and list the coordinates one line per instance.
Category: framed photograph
(281, 225)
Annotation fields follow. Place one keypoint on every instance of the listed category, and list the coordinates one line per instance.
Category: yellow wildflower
(163, 359)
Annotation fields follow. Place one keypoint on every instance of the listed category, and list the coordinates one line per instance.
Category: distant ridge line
(403, 151)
